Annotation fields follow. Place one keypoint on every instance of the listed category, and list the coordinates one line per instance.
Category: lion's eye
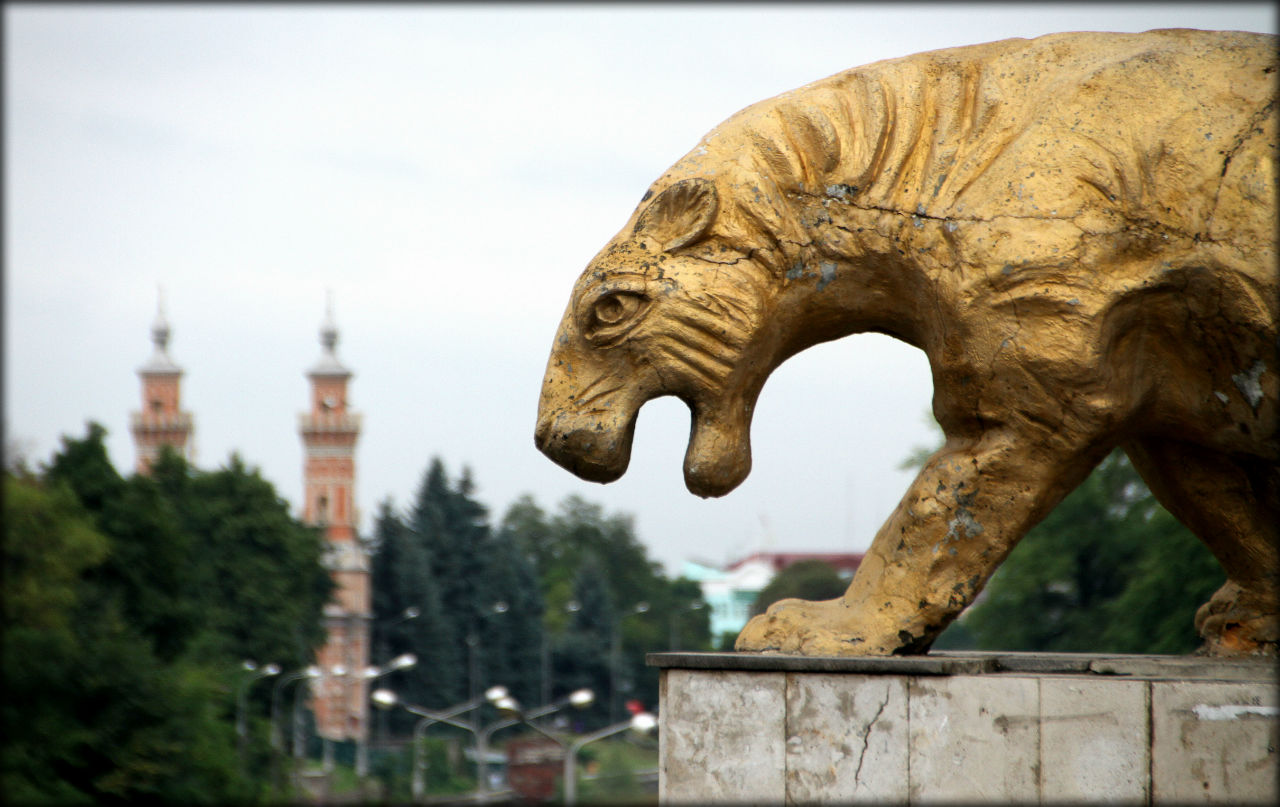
(614, 308)
(613, 314)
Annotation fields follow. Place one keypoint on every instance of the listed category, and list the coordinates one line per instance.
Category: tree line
(130, 607)
(541, 603)
(131, 604)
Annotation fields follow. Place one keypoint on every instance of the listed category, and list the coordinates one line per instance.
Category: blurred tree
(260, 581)
(477, 591)
(509, 589)
(581, 654)
(804, 579)
(580, 530)
(511, 633)
(452, 556)
(50, 544)
(403, 581)
(167, 582)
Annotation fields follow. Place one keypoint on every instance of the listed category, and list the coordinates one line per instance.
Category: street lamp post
(572, 606)
(371, 674)
(579, 699)
(412, 612)
(615, 652)
(643, 722)
(473, 645)
(277, 734)
(385, 699)
(242, 697)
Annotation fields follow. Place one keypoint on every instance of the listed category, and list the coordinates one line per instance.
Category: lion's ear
(681, 214)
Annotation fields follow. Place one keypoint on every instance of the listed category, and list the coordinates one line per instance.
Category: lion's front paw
(1239, 622)
(801, 627)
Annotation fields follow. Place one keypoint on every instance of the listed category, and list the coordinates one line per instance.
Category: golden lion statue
(1079, 231)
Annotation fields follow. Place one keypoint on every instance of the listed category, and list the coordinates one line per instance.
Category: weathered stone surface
(1047, 736)
(933, 664)
(1214, 742)
(1078, 230)
(1093, 740)
(974, 739)
(722, 737)
(1194, 667)
(846, 739)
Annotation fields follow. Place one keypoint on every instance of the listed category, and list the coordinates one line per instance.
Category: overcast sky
(447, 171)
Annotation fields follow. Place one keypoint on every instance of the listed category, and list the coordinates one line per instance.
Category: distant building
(329, 433)
(161, 421)
(729, 591)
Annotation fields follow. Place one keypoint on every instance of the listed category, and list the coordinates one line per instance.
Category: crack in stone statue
(1079, 231)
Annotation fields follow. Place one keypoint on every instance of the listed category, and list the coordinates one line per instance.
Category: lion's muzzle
(593, 448)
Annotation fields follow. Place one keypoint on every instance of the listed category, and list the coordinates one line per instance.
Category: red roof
(843, 561)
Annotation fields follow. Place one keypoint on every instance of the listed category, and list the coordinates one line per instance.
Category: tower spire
(328, 328)
(161, 421)
(329, 365)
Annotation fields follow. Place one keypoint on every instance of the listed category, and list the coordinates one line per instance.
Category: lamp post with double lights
(579, 699)
(401, 662)
(385, 699)
(642, 722)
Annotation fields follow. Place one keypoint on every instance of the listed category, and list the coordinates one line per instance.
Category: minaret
(161, 422)
(329, 433)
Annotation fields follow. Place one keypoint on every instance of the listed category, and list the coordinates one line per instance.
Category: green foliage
(403, 578)
(508, 590)
(129, 604)
(50, 543)
(805, 579)
(480, 606)
(1108, 570)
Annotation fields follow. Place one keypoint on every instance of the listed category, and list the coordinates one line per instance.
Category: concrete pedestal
(967, 727)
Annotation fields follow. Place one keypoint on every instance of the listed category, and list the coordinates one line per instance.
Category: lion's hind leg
(1232, 504)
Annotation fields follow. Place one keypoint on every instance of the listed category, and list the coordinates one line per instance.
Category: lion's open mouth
(598, 448)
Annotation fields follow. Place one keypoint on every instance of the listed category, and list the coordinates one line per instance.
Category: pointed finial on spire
(160, 361)
(160, 328)
(328, 329)
(329, 364)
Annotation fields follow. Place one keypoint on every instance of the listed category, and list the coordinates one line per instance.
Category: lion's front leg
(964, 512)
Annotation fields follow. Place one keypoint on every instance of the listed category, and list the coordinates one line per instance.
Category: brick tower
(161, 422)
(329, 433)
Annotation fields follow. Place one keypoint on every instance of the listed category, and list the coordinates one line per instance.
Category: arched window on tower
(322, 509)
